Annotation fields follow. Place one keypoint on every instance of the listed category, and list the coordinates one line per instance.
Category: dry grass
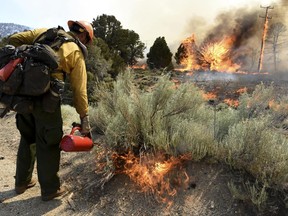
(248, 192)
(69, 115)
(160, 119)
(178, 121)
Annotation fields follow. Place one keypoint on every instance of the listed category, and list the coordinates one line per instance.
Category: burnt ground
(232, 85)
(206, 194)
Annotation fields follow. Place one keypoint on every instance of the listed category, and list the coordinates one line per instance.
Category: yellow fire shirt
(71, 61)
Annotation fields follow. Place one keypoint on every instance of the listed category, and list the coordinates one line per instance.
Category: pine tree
(159, 56)
(124, 44)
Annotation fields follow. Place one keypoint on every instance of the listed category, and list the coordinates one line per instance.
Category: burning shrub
(251, 142)
(262, 102)
(176, 121)
(279, 113)
(139, 124)
(257, 104)
(158, 173)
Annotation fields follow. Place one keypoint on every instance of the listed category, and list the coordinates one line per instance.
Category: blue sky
(149, 18)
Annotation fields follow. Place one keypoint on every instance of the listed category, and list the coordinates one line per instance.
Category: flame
(242, 90)
(278, 106)
(189, 73)
(235, 102)
(151, 173)
(273, 105)
(209, 95)
(231, 102)
(213, 55)
(218, 91)
(189, 63)
(176, 82)
(139, 66)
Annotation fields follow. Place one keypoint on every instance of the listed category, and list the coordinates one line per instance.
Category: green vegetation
(69, 115)
(254, 193)
(125, 47)
(159, 56)
(178, 121)
(147, 113)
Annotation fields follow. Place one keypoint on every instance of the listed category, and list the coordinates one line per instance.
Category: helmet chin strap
(83, 48)
(83, 37)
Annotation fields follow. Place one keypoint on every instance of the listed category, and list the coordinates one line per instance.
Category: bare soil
(206, 195)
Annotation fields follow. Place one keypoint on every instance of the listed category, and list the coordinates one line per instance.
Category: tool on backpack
(7, 70)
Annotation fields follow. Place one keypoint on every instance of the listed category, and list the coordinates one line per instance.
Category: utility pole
(265, 28)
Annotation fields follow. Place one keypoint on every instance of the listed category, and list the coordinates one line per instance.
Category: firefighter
(41, 131)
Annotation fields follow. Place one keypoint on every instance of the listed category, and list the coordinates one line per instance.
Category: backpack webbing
(55, 37)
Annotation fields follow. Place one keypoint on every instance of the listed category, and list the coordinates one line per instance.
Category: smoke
(246, 23)
(199, 26)
(245, 27)
(242, 23)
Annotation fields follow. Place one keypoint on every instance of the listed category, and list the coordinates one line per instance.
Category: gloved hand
(85, 125)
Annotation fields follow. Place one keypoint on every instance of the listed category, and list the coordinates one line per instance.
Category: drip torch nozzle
(74, 124)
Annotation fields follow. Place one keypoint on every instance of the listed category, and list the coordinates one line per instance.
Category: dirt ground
(206, 195)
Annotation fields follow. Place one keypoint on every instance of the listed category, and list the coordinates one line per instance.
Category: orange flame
(189, 63)
(211, 56)
(139, 66)
(278, 106)
(176, 82)
(242, 90)
(273, 105)
(209, 95)
(231, 102)
(215, 56)
(151, 173)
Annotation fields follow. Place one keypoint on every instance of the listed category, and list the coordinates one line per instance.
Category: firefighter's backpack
(25, 71)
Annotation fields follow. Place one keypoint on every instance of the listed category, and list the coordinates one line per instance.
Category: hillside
(10, 28)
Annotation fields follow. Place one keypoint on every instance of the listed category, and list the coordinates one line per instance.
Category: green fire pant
(41, 133)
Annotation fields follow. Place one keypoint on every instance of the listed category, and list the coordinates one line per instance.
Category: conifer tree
(159, 56)
(124, 44)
